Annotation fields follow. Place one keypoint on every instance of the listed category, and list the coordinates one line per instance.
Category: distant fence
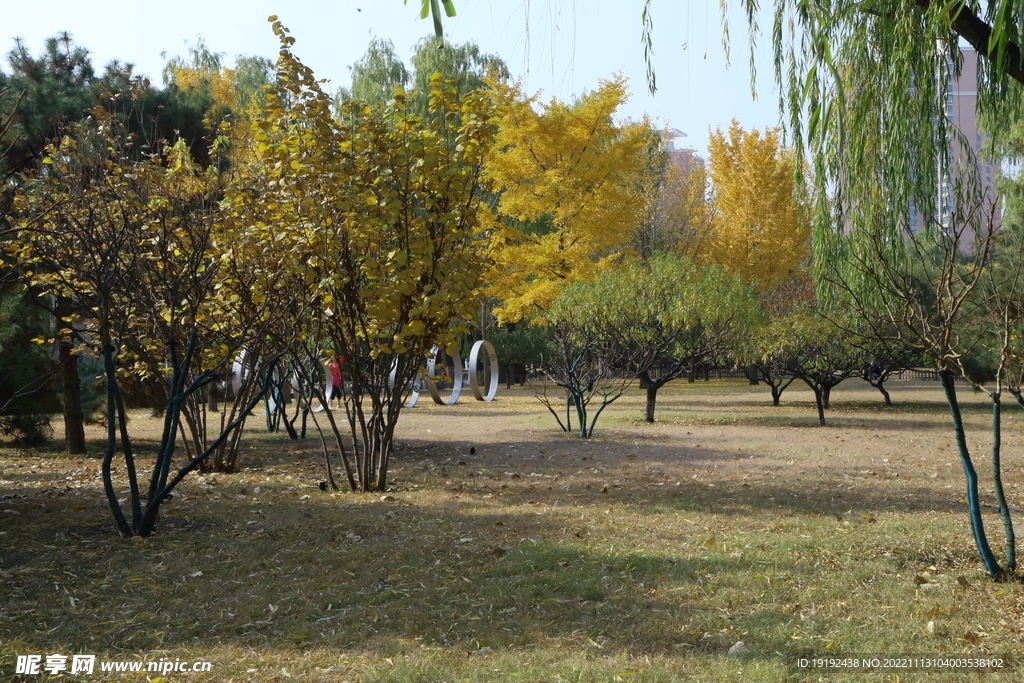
(704, 374)
(917, 374)
(741, 373)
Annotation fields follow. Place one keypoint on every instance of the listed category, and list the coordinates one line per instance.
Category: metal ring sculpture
(415, 395)
(237, 368)
(427, 375)
(492, 370)
(456, 378)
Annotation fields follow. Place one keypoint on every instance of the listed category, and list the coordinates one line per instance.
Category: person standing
(337, 380)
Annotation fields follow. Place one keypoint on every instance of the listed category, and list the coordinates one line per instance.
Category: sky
(560, 47)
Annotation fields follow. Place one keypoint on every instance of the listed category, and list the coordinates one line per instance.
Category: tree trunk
(108, 456)
(888, 401)
(776, 394)
(826, 395)
(74, 420)
(997, 477)
(652, 394)
(581, 414)
(752, 376)
(819, 399)
(973, 502)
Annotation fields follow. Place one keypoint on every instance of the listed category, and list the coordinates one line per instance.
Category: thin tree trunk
(652, 399)
(108, 456)
(973, 502)
(821, 406)
(997, 477)
(581, 414)
(74, 420)
(880, 386)
(819, 400)
(213, 404)
(652, 388)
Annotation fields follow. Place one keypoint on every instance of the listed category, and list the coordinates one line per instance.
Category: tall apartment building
(961, 110)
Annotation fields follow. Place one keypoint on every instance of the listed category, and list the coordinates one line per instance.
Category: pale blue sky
(559, 46)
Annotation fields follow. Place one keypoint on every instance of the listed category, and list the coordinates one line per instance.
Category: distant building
(684, 157)
(961, 110)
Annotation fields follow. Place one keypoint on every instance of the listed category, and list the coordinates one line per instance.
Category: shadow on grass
(365, 574)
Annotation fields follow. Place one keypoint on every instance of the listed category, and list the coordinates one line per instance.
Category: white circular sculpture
(491, 372)
(456, 379)
(236, 372)
(415, 395)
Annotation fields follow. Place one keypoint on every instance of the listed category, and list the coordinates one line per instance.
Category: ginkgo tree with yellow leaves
(757, 229)
(568, 180)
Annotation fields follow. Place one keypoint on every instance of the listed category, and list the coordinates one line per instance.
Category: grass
(644, 554)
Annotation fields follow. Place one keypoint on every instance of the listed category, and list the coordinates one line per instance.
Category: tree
(757, 230)
(41, 95)
(521, 346)
(377, 75)
(884, 356)
(676, 216)
(25, 369)
(228, 98)
(377, 219)
(586, 364)
(873, 91)
(811, 348)
(464, 67)
(775, 303)
(134, 245)
(665, 316)
(685, 216)
(940, 292)
(567, 176)
(47, 93)
(252, 74)
(380, 71)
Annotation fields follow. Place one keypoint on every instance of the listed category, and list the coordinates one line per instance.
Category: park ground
(724, 542)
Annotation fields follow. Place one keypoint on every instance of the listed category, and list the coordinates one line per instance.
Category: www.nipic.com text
(86, 664)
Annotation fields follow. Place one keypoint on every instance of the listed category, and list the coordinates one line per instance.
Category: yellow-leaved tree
(567, 176)
(230, 98)
(678, 216)
(376, 217)
(136, 248)
(757, 230)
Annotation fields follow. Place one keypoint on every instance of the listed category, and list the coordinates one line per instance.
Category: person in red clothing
(337, 381)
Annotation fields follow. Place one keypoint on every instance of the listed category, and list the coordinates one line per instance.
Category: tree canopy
(757, 230)
(567, 176)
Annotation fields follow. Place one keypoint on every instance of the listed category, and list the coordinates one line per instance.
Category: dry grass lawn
(723, 542)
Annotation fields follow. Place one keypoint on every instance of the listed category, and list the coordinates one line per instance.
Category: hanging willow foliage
(865, 89)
